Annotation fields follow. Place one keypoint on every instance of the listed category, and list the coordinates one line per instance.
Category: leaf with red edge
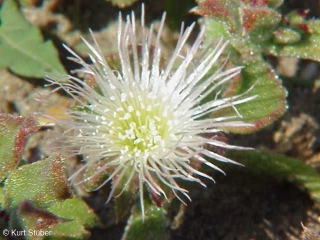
(213, 8)
(286, 36)
(14, 132)
(275, 3)
(36, 222)
(224, 11)
(252, 25)
(256, 3)
(68, 219)
(260, 22)
(263, 3)
(43, 183)
(307, 48)
(80, 217)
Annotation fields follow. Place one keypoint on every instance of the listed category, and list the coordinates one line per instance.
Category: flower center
(141, 126)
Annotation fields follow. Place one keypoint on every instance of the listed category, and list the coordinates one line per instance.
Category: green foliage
(153, 226)
(14, 132)
(27, 216)
(39, 190)
(304, 45)
(124, 202)
(93, 183)
(269, 104)
(63, 220)
(43, 183)
(22, 47)
(254, 29)
(78, 217)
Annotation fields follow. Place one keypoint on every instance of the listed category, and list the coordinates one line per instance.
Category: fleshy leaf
(286, 36)
(43, 183)
(259, 22)
(2, 198)
(296, 18)
(217, 9)
(124, 202)
(75, 209)
(29, 217)
(257, 76)
(275, 3)
(93, 180)
(307, 48)
(22, 48)
(280, 166)
(79, 217)
(263, 3)
(152, 227)
(247, 25)
(69, 230)
(269, 104)
(14, 132)
(223, 11)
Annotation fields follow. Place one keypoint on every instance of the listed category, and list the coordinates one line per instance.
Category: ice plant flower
(146, 121)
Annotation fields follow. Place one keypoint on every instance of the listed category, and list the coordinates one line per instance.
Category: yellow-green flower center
(141, 126)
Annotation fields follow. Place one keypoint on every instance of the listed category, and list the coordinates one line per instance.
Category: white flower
(146, 121)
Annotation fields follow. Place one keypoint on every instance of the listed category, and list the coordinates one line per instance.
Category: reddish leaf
(256, 3)
(43, 183)
(259, 21)
(30, 217)
(14, 132)
(213, 8)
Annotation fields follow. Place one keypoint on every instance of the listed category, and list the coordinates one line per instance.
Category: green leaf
(275, 3)
(14, 132)
(286, 36)
(153, 226)
(123, 202)
(258, 76)
(28, 216)
(2, 198)
(69, 230)
(68, 219)
(92, 180)
(225, 12)
(280, 166)
(269, 104)
(43, 183)
(76, 210)
(247, 26)
(22, 48)
(259, 22)
(79, 217)
(307, 48)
